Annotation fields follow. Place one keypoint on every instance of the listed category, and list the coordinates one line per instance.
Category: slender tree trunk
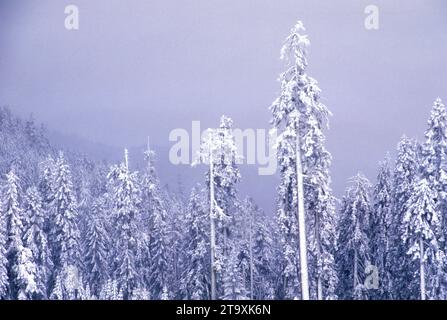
(213, 232)
(126, 158)
(251, 255)
(355, 273)
(318, 245)
(422, 268)
(301, 221)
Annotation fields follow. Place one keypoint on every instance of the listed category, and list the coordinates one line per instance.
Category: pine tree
(380, 227)
(46, 187)
(3, 258)
(37, 241)
(219, 151)
(421, 223)
(244, 221)
(158, 249)
(263, 257)
(110, 291)
(323, 236)
(353, 251)
(21, 266)
(126, 198)
(97, 244)
(65, 237)
(434, 152)
(232, 279)
(26, 275)
(399, 265)
(195, 281)
(14, 217)
(177, 212)
(300, 117)
(149, 188)
(434, 170)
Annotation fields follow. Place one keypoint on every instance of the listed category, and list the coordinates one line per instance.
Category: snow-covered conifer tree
(399, 265)
(219, 151)
(37, 241)
(434, 170)
(21, 266)
(303, 161)
(353, 252)
(381, 220)
(305, 182)
(233, 284)
(287, 110)
(263, 261)
(65, 236)
(421, 223)
(97, 246)
(110, 291)
(125, 198)
(196, 278)
(159, 250)
(3, 258)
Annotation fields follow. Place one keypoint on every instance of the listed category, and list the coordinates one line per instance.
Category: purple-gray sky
(138, 68)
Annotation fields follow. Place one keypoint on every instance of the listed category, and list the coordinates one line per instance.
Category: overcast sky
(138, 68)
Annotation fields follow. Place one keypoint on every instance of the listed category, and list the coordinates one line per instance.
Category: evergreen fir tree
(421, 223)
(263, 258)
(434, 170)
(158, 250)
(21, 266)
(304, 195)
(97, 244)
(400, 266)
(3, 259)
(65, 237)
(232, 279)
(353, 251)
(37, 241)
(196, 279)
(126, 198)
(219, 151)
(380, 228)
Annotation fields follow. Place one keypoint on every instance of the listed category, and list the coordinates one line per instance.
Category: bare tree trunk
(213, 232)
(301, 221)
(422, 268)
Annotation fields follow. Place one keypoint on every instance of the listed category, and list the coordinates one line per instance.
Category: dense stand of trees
(72, 228)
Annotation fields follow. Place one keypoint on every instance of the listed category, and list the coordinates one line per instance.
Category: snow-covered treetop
(295, 46)
(359, 195)
(437, 123)
(219, 144)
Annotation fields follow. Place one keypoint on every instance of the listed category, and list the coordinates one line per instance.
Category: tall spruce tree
(399, 265)
(65, 236)
(21, 266)
(195, 282)
(434, 170)
(36, 240)
(421, 222)
(97, 244)
(3, 258)
(219, 151)
(305, 199)
(125, 196)
(380, 229)
(353, 252)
